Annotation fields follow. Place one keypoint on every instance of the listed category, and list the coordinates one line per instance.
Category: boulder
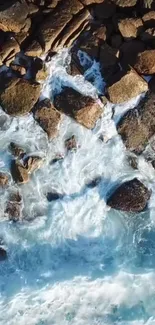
(12, 19)
(137, 126)
(71, 144)
(19, 172)
(4, 179)
(18, 69)
(20, 97)
(130, 27)
(16, 150)
(129, 51)
(13, 208)
(149, 19)
(85, 110)
(31, 163)
(3, 254)
(34, 49)
(127, 86)
(145, 63)
(131, 196)
(8, 51)
(47, 117)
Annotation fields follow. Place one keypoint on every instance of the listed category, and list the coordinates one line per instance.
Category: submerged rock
(19, 97)
(85, 110)
(71, 143)
(3, 254)
(4, 179)
(131, 196)
(16, 150)
(47, 117)
(14, 207)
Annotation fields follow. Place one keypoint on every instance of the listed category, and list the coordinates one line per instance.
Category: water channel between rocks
(74, 260)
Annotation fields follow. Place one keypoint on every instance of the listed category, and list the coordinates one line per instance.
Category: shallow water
(75, 261)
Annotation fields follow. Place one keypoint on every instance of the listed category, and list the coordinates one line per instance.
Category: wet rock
(14, 207)
(125, 3)
(3, 254)
(52, 196)
(20, 97)
(130, 27)
(12, 19)
(129, 51)
(145, 63)
(4, 179)
(93, 183)
(137, 126)
(42, 74)
(16, 150)
(18, 69)
(127, 86)
(57, 158)
(71, 144)
(133, 162)
(47, 117)
(31, 163)
(85, 110)
(19, 172)
(131, 196)
(34, 49)
(149, 19)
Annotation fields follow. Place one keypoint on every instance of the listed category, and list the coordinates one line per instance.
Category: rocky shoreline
(120, 36)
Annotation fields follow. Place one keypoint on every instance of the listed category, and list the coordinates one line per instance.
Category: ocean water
(75, 261)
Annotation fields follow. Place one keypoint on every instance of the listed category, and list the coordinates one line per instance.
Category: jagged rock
(42, 74)
(16, 150)
(104, 10)
(137, 126)
(126, 86)
(9, 50)
(4, 179)
(108, 59)
(31, 163)
(3, 254)
(131, 196)
(149, 19)
(85, 110)
(12, 19)
(125, 3)
(129, 51)
(148, 35)
(130, 27)
(71, 144)
(21, 71)
(34, 49)
(13, 208)
(47, 117)
(19, 172)
(145, 63)
(90, 2)
(20, 97)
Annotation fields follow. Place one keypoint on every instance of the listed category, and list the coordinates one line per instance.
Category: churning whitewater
(75, 261)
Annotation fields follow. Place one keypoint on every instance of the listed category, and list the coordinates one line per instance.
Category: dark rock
(16, 150)
(20, 97)
(71, 144)
(47, 117)
(57, 158)
(53, 196)
(104, 10)
(145, 63)
(19, 172)
(116, 41)
(126, 86)
(148, 36)
(149, 19)
(129, 51)
(94, 182)
(85, 110)
(14, 206)
(31, 163)
(131, 196)
(3, 254)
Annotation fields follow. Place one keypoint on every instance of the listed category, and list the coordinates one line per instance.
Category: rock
(20, 97)
(116, 41)
(129, 51)
(4, 179)
(125, 3)
(148, 36)
(133, 161)
(130, 27)
(108, 59)
(13, 208)
(31, 163)
(145, 63)
(8, 51)
(41, 75)
(90, 2)
(137, 126)
(127, 86)
(16, 150)
(21, 71)
(47, 117)
(149, 19)
(57, 158)
(52, 196)
(152, 84)
(93, 183)
(71, 144)
(3, 254)
(104, 10)
(19, 172)
(131, 196)
(85, 110)
(34, 49)
(12, 19)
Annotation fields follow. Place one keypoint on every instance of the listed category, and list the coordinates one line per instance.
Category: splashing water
(74, 261)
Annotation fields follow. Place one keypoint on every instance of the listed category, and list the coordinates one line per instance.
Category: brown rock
(18, 69)
(41, 75)
(149, 19)
(4, 179)
(3, 254)
(13, 208)
(128, 86)
(20, 97)
(16, 150)
(71, 144)
(125, 3)
(34, 49)
(47, 117)
(19, 172)
(137, 126)
(90, 2)
(9, 50)
(145, 63)
(131, 196)
(130, 27)
(85, 110)
(32, 163)
(13, 18)
(148, 35)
